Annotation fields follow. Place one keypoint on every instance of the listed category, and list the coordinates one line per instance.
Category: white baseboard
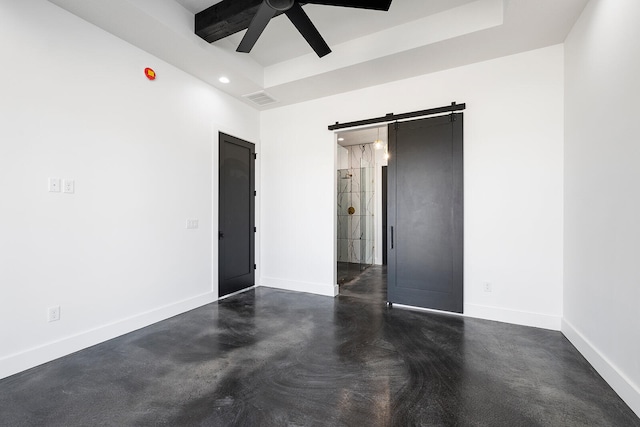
(30, 358)
(525, 318)
(325, 289)
(621, 384)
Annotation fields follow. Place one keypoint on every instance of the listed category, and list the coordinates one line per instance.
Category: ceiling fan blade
(257, 26)
(302, 22)
(362, 4)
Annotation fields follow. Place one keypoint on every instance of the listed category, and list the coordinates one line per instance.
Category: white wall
(513, 182)
(602, 208)
(115, 255)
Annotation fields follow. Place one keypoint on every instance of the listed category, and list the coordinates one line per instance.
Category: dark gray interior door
(236, 232)
(425, 213)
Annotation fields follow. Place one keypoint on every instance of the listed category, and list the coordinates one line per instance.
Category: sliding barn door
(425, 208)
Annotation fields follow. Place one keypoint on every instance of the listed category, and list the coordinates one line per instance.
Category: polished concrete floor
(278, 358)
(347, 271)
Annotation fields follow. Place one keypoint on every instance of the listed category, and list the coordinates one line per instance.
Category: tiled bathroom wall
(356, 238)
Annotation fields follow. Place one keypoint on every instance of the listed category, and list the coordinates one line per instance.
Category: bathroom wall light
(377, 144)
(224, 80)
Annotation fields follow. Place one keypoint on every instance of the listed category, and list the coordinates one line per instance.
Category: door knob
(220, 235)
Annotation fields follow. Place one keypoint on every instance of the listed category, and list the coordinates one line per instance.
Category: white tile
(344, 185)
(354, 251)
(344, 201)
(354, 227)
(343, 227)
(369, 204)
(355, 180)
(343, 250)
(367, 156)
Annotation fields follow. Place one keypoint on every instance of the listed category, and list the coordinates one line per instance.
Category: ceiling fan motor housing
(280, 5)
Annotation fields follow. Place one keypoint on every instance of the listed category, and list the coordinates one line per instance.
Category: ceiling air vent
(261, 98)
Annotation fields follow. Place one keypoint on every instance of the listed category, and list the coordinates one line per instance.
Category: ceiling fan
(293, 9)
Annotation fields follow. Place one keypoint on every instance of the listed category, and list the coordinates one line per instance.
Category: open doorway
(424, 204)
(362, 153)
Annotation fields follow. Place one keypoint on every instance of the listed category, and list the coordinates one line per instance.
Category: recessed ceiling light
(224, 80)
(340, 139)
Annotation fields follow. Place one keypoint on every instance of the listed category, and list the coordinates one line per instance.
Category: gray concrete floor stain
(276, 358)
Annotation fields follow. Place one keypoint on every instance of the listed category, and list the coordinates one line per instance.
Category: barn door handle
(220, 235)
(391, 237)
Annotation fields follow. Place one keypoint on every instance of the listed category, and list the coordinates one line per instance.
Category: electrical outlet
(192, 223)
(487, 287)
(54, 185)
(53, 314)
(68, 186)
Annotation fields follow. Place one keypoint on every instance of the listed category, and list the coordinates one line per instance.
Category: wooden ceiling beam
(225, 18)
(230, 16)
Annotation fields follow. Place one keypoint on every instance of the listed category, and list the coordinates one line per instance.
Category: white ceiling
(369, 47)
(195, 6)
(280, 41)
(363, 136)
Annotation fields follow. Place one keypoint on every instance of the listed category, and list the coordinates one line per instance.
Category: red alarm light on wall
(151, 75)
